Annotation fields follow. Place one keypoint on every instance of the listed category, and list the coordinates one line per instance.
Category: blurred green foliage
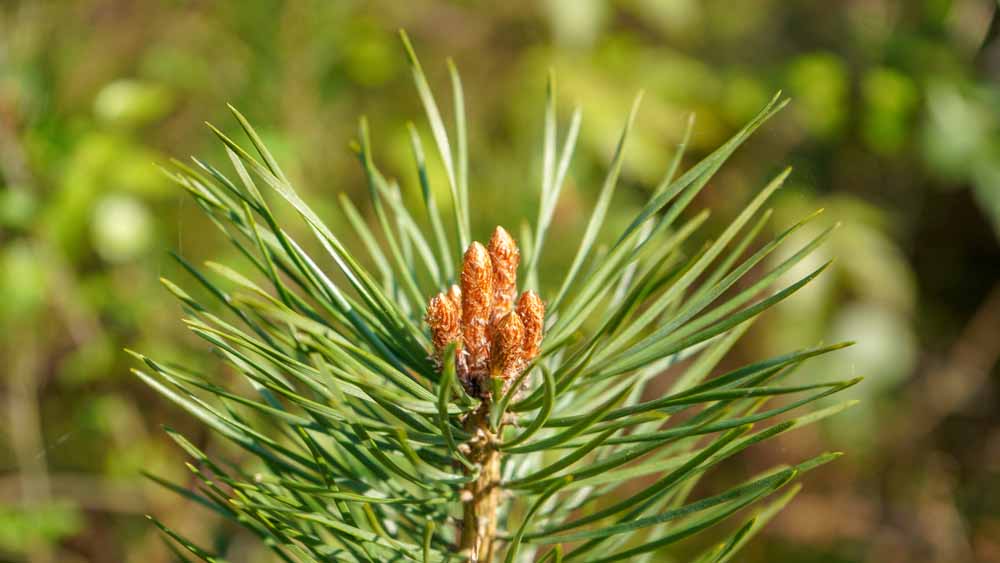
(894, 128)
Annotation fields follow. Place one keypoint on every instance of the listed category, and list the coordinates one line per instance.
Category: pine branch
(442, 411)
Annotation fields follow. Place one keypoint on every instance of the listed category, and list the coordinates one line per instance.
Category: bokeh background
(894, 129)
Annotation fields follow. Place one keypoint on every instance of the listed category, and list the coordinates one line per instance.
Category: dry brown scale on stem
(496, 338)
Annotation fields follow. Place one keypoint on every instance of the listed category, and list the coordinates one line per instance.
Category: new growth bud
(477, 300)
(445, 319)
(531, 310)
(507, 355)
(497, 339)
(455, 294)
(505, 257)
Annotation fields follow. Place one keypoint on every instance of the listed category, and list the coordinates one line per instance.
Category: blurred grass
(894, 128)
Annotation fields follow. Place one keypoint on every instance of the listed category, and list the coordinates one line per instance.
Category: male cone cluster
(497, 335)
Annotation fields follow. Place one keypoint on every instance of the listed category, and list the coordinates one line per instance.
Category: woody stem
(479, 508)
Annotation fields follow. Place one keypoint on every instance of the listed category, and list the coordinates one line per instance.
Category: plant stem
(479, 506)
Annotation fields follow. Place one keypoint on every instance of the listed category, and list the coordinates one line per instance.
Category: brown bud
(477, 298)
(444, 318)
(531, 310)
(506, 356)
(455, 294)
(505, 257)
